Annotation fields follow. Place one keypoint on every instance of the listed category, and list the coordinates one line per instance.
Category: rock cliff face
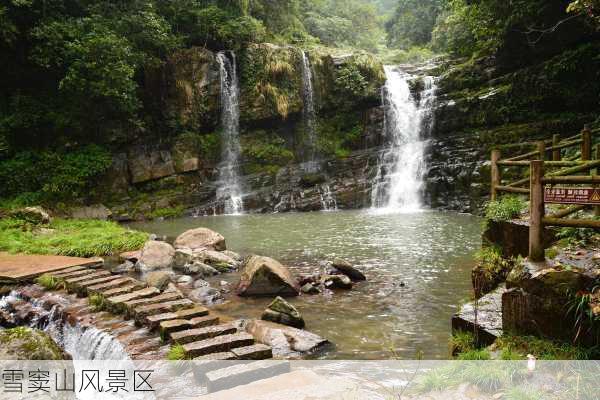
(178, 168)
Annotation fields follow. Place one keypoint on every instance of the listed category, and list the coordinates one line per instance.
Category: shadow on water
(417, 264)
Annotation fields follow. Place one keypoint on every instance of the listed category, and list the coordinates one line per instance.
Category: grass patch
(77, 238)
(505, 209)
(461, 342)
(97, 302)
(176, 353)
(438, 379)
(543, 349)
(475, 355)
(49, 282)
(523, 393)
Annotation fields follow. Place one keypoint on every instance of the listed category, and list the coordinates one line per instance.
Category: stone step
(129, 306)
(117, 283)
(122, 290)
(154, 321)
(71, 272)
(175, 325)
(81, 287)
(242, 374)
(224, 356)
(255, 352)
(69, 269)
(116, 304)
(202, 322)
(217, 345)
(140, 313)
(93, 275)
(195, 335)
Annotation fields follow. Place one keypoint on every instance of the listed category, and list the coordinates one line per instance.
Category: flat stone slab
(69, 271)
(117, 303)
(194, 335)
(122, 290)
(154, 321)
(483, 317)
(23, 267)
(202, 322)
(224, 356)
(140, 313)
(218, 344)
(166, 328)
(254, 352)
(243, 374)
(129, 306)
(116, 283)
(87, 277)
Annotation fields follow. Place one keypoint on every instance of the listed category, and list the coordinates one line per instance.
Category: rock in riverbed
(336, 282)
(206, 295)
(282, 312)
(158, 279)
(28, 344)
(283, 339)
(200, 238)
(347, 269)
(264, 276)
(155, 255)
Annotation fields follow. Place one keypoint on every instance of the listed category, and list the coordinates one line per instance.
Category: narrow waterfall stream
(47, 314)
(229, 190)
(400, 168)
(308, 113)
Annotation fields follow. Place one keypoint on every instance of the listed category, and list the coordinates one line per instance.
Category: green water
(431, 252)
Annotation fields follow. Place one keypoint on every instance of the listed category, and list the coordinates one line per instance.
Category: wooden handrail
(553, 180)
(566, 212)
(511, 189)
(525, 163)
(585, 167)
(571, 223)
(564, 145)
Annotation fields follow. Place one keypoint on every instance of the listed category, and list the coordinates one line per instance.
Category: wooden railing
(547, 169)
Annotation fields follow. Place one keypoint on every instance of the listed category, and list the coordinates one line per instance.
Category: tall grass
(77, 238)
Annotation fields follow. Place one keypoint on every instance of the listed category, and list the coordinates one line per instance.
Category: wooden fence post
(536, 212)
(541, 147)
(555, 152)
(586, 145)
(496, 178)
(595, 172)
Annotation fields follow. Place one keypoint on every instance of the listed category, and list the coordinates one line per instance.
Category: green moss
(80, 238)
(264, 152)
(23, 343)
(167, 212)
(339, 135)
(48, 282)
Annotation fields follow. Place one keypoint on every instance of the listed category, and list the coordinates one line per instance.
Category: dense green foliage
(79, 238)
(505, 209)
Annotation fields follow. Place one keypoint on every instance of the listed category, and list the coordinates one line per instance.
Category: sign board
(561, 195)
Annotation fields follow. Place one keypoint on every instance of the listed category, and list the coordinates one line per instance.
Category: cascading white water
(308, 113)
(328, 201)
(400, 168)
(229, 190)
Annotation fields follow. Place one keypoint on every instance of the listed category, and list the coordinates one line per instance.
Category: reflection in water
(430, 252)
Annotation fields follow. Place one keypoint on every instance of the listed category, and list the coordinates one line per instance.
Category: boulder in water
(206, 295)
(198, 268)
(336, 282)
(310, 288)
(123, 268)
(23, 343)
(233, 255)
(155, 255)
(183, 256)
(282, 338)
(158, 279)
(264, 276)
(347, 269)
(200, 238)
(132, 256)
(282, 312)
(185, 280)
(215, 258)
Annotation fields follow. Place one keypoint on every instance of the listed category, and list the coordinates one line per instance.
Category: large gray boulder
(33, 215)
(200, 238)
(155, 255)
(285, 340)
(23, 343)
(264, 276)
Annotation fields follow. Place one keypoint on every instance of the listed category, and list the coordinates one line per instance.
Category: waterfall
(407, 122)
(308, 114)
(229, 190)
(80, 342)
(328, 201)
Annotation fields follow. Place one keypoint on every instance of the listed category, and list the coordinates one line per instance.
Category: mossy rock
(28, 344)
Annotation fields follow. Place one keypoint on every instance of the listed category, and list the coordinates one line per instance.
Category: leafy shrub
(461, 342)
(577, 236)
(481, 354)
(51, 175)
(176, 353)
(97, 302)
(505, 209)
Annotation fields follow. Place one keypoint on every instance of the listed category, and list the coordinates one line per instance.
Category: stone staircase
(176, 319)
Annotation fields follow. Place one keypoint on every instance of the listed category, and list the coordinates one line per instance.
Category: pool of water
(431, 253)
